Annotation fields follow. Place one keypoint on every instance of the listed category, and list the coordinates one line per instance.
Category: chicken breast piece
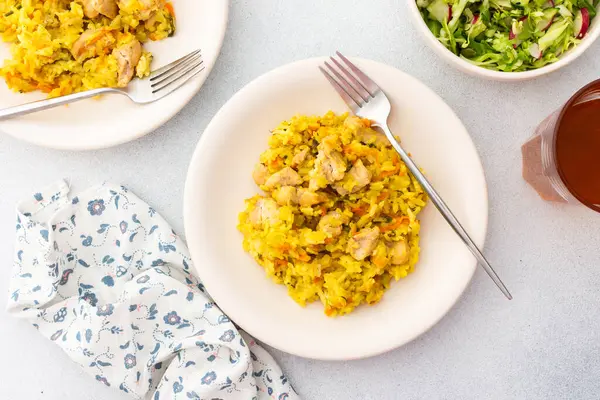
(333, 166)
(88, 43)
(285, 195)
(399, 252)
(142, 8)
(80, 46)
(354, 123)
(290, 195)
(265, 211)
(128, 56)
(260, 174)
(285, 177)
(364, 133)
(299, 157)
(361, 245)
(89, 10)
(93, 8)
(369, 136)
(329, 167)
(307, 198)
(358, 177)
(331, 223)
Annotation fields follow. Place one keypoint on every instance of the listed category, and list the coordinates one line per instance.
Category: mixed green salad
(509, 35)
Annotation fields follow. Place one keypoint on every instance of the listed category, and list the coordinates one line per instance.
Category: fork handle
(40, 105)
(436, 199)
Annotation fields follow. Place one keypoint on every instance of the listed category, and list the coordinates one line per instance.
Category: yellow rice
(41, 34)
(313, 264)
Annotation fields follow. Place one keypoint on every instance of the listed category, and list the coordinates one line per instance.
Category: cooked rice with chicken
(338, 217)
(66, 46)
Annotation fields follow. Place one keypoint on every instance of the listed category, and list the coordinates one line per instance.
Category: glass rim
(581, 92)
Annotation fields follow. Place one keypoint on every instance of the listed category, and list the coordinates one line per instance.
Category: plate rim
(141, 132)
(479, 238)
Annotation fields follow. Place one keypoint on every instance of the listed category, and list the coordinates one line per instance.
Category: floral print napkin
(104, 277)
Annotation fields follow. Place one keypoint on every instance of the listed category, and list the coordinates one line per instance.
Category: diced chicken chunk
(107, 8)
(354, 123)
(149, 4)
(369, 136)
(364, 133)
(151, 21)
(128, 56)
(265, 210)
(142, 8)
(285, 195)
(260, 174)
(333, 166)
(300, 157)
(286, 177)
(361, 245)
(307, 198)
(329, 167)
(290, 195)
(93, 8)
(80, 45)
(331, 223)
(357, 178)
(89, 43)
(89, 10)
(398, 252)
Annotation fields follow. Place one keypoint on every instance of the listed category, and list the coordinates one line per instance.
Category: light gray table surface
(545, 344)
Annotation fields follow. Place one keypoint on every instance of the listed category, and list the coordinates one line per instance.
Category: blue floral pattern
(96, 207)
(90, 298)
(105, 310)
(172, 318)
(209, 378)
(130, 361)
(106, 278)
(228, 336)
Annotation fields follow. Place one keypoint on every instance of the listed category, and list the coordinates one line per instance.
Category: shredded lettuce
(506, 35)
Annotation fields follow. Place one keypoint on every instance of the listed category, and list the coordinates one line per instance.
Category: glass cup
(540, 166)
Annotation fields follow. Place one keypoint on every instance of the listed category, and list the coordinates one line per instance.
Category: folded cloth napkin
(105, 278)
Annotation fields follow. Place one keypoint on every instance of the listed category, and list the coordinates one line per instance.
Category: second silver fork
(366, 99)
(160, 83)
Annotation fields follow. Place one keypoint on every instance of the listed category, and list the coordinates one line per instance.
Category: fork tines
(178, 72)
(351, 83)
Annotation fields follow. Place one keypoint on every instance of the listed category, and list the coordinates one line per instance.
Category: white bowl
(114, 119)
(471, 69)
(220, 178)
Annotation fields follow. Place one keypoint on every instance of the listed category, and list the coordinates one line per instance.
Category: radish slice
(449, 13)
(515, 30)
(582, 23)
(535, 52)
(475, 19)
(547, 20)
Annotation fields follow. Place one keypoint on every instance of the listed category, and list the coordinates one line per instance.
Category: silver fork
(367, 100)
(160, 83)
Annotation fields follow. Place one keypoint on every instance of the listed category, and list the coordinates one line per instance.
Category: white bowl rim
(469, 68)
(478, 237)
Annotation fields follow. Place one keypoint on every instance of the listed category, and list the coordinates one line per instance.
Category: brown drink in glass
(562, 160)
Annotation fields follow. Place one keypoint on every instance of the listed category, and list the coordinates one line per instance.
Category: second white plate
(114, 119)
(219, 179)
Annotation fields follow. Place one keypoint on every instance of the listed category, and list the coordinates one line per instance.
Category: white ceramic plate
(219, 179)
(114, 119)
